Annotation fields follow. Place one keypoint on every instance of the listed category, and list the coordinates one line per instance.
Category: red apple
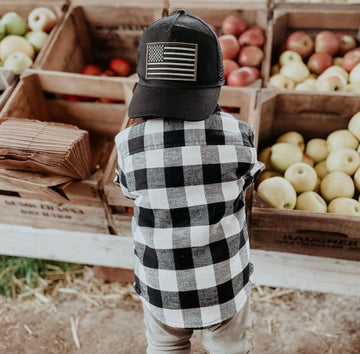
(120, 67)
(282, 49)
(233, 25)
(346, 43)
(105, 100)
(252, 37)
(108, 73)
(256, 28)
(229, 109)
(301, 43)
(326, 41)
(91, 69)
(251, 56)
(319, 62)
(351, 59)
(229, 66)
(229, 46)
(244, 76)
(73, 98)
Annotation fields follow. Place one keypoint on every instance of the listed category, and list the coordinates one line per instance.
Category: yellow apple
(278, 193)
(337, 184)
(295, 70)
(264, 157)
(283, 155)
(311, 201)
(335, 69)
(12, 44)
(275, 69)
(317, 187)
(357, 179)
(338, 61)
(317, 149)
(321, 169)
(302, 177)
(354, 125)
(288, 57)
(281, 82)
(344, 206)
(267, 174)
(331, 83)
(307, 159)
(340, 139)
(292, 137)
(344, 160)
(353, 88)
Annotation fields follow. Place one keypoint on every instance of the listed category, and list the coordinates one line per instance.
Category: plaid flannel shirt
(188, 179)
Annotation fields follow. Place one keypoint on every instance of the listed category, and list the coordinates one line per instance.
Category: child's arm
(256, 167)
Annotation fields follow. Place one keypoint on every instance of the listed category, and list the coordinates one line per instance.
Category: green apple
(302, 177)
(344, 206)
(17, 62)
(2, 30)
(292, 137)
(278, 193)
(42, 19)
(295, 70)
(284, 155)
(37, 39)
(311, 201)
(289, 56)
(267, 174)
(357, 179)
(11, 44)
(344, 160)
(341, 139)
(264, 157)
(317, 149)
(281, 82)
(321, 169)
(14, 24)
(354, 125)
(335, 185)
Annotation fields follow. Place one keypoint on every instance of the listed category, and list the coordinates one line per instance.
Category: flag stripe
(171, 61)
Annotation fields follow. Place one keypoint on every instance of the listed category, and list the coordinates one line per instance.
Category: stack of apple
(329, 62)
(21, 40)
(322, 175)
(242, 51)
(116, 67)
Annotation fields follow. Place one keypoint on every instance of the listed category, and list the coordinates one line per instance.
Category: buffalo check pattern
(188, 179)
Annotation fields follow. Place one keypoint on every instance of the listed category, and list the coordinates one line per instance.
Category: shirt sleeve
(256, 167)
(120, 178)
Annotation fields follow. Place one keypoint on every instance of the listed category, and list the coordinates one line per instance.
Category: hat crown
(180, 50)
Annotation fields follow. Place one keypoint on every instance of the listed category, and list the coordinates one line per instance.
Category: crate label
(319, 242)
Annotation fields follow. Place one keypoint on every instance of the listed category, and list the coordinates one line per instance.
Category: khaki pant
(229, 337)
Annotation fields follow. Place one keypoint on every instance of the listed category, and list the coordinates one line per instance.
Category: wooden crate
(309, 233)
(312, 20)
(39, 96)
(24, 7)
(244, 100)
(214, 12)
(93, 34)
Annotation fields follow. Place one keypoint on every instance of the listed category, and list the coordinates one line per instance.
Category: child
(187, 165)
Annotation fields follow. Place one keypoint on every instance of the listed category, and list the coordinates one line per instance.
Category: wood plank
(271, 268)
(41, 214)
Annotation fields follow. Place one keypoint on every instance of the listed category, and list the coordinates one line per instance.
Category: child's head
(180, 69)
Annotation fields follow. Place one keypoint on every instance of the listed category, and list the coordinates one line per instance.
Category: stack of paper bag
(45, 147)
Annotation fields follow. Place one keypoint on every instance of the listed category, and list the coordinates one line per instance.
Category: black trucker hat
(180, 69)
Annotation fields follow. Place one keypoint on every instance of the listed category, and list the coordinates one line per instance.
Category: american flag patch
(171, 61)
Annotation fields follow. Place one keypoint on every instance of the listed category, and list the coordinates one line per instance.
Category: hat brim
(179, 103)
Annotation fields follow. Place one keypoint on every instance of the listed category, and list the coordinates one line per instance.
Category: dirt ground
(80, 320)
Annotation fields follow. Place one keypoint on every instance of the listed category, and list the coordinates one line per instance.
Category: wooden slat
(271, 268)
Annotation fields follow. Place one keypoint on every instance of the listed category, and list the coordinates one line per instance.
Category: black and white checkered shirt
(188, 179)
